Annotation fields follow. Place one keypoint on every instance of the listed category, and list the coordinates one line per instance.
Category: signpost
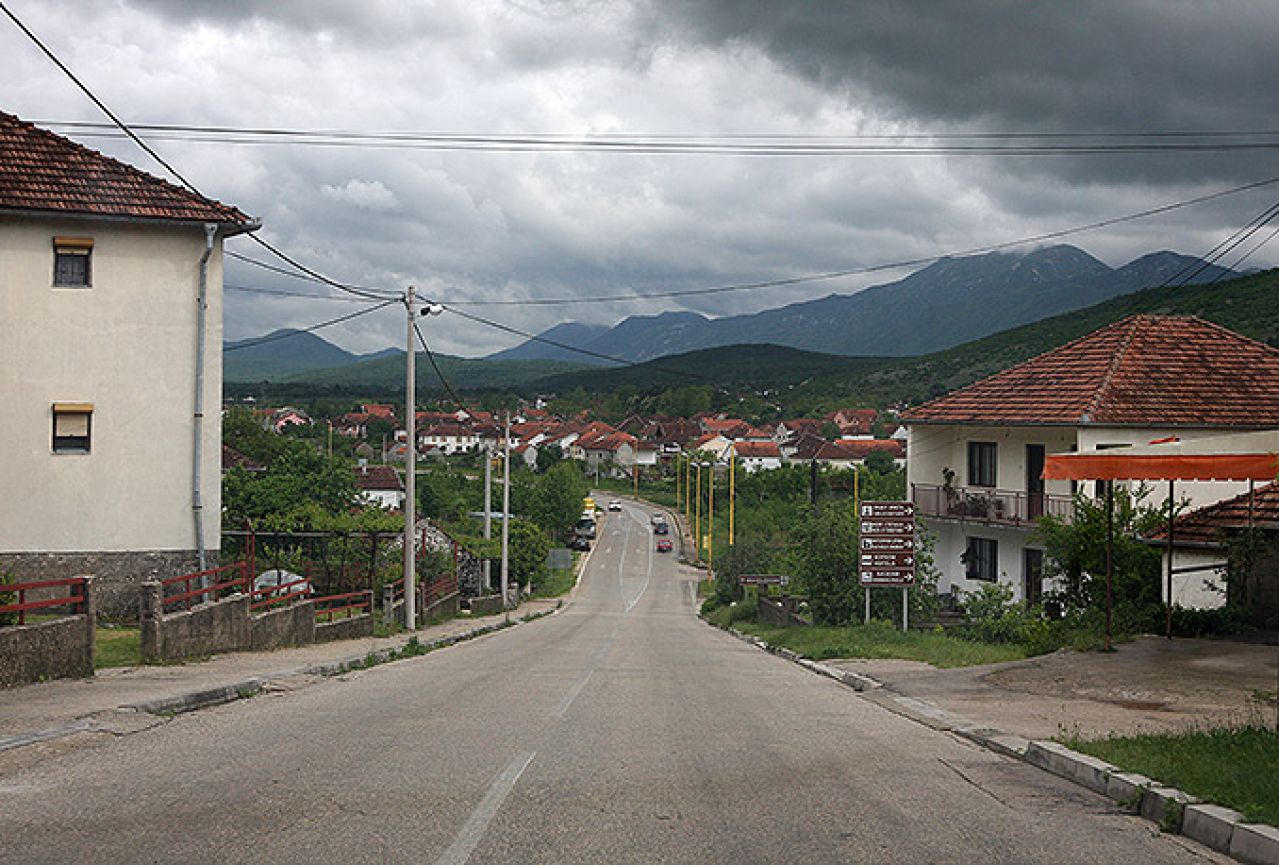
(886, 554)
(763, 580)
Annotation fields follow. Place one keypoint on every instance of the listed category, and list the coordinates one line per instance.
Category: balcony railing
(982, 504)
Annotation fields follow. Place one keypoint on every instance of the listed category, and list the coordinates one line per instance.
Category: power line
(276, 337)
(506, 328)
(943, 144)
(828, 275)
(123, 127)
(1192, 269)
(431, 357)
(249, 289)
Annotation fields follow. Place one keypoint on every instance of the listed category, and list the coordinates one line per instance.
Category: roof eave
(228, 228)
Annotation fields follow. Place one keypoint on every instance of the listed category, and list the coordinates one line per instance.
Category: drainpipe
(202, 306)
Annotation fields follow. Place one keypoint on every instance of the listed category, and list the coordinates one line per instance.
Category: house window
(981, 464)
(71, 262)
(981, 559)
(72, 425)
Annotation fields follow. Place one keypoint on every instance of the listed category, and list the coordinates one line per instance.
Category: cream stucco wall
(929, 449)
(127, 345)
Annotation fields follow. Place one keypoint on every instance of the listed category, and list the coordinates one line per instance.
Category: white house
(450, 438)
(757, 456)
(380, 485)
(110, 366)
(975, 457)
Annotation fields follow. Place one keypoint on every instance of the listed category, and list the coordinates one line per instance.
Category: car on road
(663, 545)
(658, 517)
(614, 505)
(661, 528)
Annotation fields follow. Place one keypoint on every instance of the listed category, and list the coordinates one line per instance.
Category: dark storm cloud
(1080, 65)
(501, 226)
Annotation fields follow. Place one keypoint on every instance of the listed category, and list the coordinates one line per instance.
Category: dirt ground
(1150, 684)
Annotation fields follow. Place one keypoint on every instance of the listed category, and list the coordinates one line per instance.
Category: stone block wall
(344, 629)
(293, 625)
(58, 649)
(118, 575)
(221, 626)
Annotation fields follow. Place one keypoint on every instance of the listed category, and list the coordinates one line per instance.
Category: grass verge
(556, 584)
(882, 640)
(117, 647)
(1236, 767)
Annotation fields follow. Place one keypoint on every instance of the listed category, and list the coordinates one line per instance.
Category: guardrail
(280, 594)
(75, 599)
(349, 604)
(212, 584)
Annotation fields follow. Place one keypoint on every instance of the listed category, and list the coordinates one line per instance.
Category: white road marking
(572, 695)
(647, 576)
(469, 838)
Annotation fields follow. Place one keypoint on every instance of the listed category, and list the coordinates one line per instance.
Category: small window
(981, 559)
(71, 260)
(72, 425)
(981, 464)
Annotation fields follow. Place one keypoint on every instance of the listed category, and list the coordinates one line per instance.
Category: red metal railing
(281, 594)
(438, 588)
(211, 584)
(74, 600)
(984, 504)
(349, 604)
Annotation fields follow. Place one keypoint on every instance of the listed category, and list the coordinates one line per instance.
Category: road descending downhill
(620, 730)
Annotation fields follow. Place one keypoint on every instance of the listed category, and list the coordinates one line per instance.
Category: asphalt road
(622, 729)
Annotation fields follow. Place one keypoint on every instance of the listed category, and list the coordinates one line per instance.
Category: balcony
(986, 505)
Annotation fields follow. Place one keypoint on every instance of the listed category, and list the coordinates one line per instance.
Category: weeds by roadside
(1233, 766)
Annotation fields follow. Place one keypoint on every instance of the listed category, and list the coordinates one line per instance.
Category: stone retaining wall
(59, 649)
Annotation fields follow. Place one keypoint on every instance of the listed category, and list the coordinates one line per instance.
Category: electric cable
(161, 160)
(438, 373)
(249, 289)
(836, 274)
(275, 337)
(1019, 144)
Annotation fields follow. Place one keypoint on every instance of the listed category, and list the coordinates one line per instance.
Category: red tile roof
(377, 478)
(1142, 371)
(1210, 525)
(757, 450)
(45, 172)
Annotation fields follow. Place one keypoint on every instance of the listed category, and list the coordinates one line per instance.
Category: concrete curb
(1175, 811)
(205, 698)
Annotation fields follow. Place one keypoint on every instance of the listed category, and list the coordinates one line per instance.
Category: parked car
(277, 583)
(661, 528)
(614, 505)
(579, 543)
(663, 545)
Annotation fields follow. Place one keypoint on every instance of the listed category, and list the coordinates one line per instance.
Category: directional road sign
(888, 510)
(896, 544)
(888, 560)
(887, 542)
(763, 580)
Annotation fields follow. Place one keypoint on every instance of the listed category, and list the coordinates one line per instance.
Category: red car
(663, 545)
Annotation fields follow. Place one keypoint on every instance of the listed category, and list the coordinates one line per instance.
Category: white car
(614, 505)
(658, 517)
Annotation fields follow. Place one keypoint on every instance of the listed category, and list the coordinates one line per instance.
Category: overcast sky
(495, 225)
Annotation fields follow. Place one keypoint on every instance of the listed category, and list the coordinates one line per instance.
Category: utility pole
(697, 522)
(410, 465)
(488, 516)
(678, 500)
(732, 494)
(710, 525)
(506, 515)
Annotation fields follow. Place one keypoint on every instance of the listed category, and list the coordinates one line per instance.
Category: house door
(1034, 481)
(1032, 564)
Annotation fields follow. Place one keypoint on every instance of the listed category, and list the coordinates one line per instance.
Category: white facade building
(976, 456)
(102, 268)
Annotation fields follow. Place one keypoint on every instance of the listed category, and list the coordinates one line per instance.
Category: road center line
(469, 838)
(572, 695)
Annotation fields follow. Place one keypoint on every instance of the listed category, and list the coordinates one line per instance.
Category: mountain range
(947, 303)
